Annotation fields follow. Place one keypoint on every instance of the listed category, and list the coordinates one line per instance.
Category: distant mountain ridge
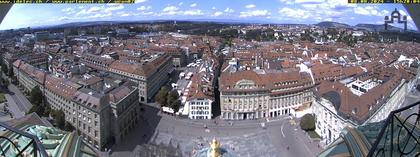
(362, 26)
(324, 24)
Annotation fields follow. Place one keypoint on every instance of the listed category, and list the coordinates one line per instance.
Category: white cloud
(287, 1)
(180, 3)
(309, 1)
(69, 10)
(310, 9)
(66, 9)
(144, 8)
(294, 13)
(100, 15)
(361, 11)
(218, 13)
(140, 1)
(254, 13)
(370, 11)
(114, 8)
(170, 10)
(328, 19)
(125, 14)
(91, 10)
(228, 10)
(249, 6)
(193, 5)
(193, 12)
(214, 8)
(144, 13)
(63, 18)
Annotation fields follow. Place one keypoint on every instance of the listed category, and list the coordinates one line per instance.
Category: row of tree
(42, 109)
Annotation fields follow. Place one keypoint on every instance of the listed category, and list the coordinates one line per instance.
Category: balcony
(397, 135)
(400, 134)
(14, 142)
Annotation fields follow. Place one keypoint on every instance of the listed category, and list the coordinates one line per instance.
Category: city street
(17, 103)
(13, 107)
(20, 99)
(242, 138)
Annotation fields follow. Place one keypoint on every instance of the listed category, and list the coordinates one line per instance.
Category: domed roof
(334, 98)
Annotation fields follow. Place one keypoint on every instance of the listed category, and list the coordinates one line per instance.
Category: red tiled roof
(61, 86)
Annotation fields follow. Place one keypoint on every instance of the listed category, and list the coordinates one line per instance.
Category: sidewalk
(223, 123)
(13, 107)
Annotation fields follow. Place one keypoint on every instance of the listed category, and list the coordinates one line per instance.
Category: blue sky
(274, 11)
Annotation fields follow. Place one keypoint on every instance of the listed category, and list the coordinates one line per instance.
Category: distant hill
(325, 24)
(328, 24)
(368, 27)
(379, 27)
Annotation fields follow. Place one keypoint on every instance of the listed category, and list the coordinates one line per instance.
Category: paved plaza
(279, 137)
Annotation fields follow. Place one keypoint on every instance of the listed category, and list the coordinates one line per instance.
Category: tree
(37, 109)
(176, 105)
(59, 118)
(5, 82)
(4, 68)
(36, 96)
(47, 110)
(10, 73)
(68, 127)
(161, 96)
(173, 101)
(307, 122)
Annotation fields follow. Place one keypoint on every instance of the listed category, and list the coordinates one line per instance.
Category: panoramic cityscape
(212, 78)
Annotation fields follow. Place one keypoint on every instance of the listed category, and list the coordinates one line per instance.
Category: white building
(200, 108)
(356, 102)
(328, 123)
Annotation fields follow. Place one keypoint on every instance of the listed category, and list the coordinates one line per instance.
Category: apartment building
(150, 74)
(253, 94)
(91, 104)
